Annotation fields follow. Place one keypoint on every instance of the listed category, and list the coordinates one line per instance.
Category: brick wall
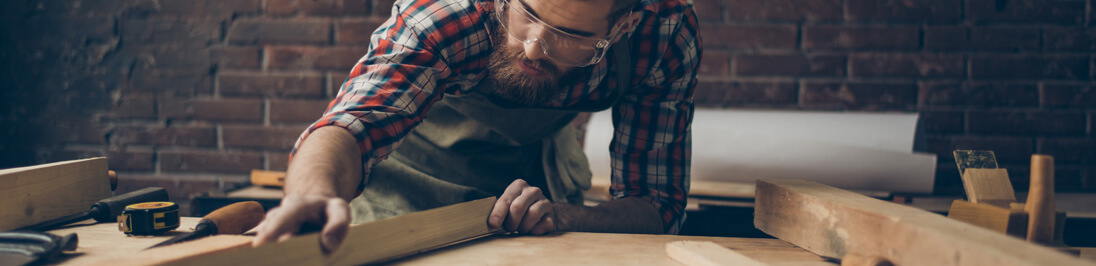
(192, 94)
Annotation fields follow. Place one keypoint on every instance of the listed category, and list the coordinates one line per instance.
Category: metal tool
(149, 218)
(106, 210)
(236, 218)
(31, 247)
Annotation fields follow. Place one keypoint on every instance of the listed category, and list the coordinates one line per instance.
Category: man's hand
(296, 212)
(524, 209)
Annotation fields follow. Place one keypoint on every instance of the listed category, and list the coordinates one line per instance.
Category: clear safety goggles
(558, 45)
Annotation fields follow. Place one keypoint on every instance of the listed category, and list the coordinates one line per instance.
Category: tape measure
(149, 218)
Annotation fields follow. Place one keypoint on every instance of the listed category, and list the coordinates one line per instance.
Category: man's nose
(534, 50)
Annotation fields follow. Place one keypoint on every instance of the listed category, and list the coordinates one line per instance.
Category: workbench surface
(103, 243)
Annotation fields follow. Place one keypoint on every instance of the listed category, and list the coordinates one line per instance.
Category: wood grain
(267, 178)
(39, 193)
(1006, 221)
(832, 222)
(990, 186)
(365, 243)
(707, 253)
(1040, 202)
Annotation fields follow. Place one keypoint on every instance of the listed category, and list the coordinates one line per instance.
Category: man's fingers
(268, 231)
(534, 215)
(338, 222)
(546, 225)
(502, 205)
(520, 207)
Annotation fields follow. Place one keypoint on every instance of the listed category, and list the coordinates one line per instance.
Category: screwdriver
(106, 210)
(236, 218)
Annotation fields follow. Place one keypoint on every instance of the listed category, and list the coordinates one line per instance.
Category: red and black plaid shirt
(430, 48)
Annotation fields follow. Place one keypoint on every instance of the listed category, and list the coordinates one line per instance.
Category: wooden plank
(1006, 221)
(707, 253)
(39, 193)
(990, 186)
(372, 242)
(267, 178)
(574, 248)
(832, 222)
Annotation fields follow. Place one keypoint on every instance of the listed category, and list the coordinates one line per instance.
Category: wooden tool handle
(1040, 203)
(237, 218)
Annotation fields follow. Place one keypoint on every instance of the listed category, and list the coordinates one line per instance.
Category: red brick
(60, 31)
(166, 57)
(1069, 150)
(1069, 39)
(858, 95)
(317, 7)
(947, 38)
(202, 8)
(278, 138)
(789, 65)
(1009, 66)
(709, 11)
(355, 31)
(296, 111)
(1004, 38)
(171, 82)
(941, 122)
(217, 110)
(277, 161)
(745, 93)
(117, 160)
(907, 65)
(383, 8)
(296, 31)
(954, 94)
(321, 58)
(1064, 12)
(861, 37)
(235, 57)
(1023, 123)
(1005, 149)
(210, 162)
(190, 136)
(194, 33)
(749, 36)
(139, 107)
(82, 131)
(923, 11)
(783, 10)
(1074, 96)
(716, 63)
(309, 85)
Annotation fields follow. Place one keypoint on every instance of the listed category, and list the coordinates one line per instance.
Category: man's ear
(626, 25)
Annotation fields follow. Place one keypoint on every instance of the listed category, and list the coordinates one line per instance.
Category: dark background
(193, 94)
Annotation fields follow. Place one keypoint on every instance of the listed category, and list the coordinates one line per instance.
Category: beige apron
(469, 148)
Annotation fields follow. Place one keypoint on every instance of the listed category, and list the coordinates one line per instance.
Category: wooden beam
(39, 193)
(990, 186)
(1006, 221)
(366, 243)
(832, 222)
(707, 253)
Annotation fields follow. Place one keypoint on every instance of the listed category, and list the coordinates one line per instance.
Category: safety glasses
(558, 45)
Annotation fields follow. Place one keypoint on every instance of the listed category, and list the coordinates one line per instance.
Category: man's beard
(507, 81)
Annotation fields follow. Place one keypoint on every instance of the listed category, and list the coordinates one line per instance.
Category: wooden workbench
(103, 244)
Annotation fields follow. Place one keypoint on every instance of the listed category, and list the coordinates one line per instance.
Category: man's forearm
(327, 163)
(625, 215)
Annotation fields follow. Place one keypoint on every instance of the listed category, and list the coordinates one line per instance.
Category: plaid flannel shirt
(429, 48)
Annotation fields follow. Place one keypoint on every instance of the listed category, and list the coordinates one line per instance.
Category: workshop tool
(1040, 202)
(149, 218)
(235, 218)
(32, 247)
(106, 210)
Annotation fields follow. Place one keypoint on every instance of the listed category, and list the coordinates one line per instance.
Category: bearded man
(457, 100)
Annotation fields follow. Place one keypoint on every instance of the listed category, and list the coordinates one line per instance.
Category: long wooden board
(34, 194)
(372, 242)
(706, 253)
(832, 222)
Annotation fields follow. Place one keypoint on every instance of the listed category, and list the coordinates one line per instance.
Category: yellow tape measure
(149, 218)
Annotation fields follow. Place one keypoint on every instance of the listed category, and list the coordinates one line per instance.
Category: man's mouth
(531, 70)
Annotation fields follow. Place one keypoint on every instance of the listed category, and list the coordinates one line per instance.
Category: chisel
(236, 218)
(106, 210)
